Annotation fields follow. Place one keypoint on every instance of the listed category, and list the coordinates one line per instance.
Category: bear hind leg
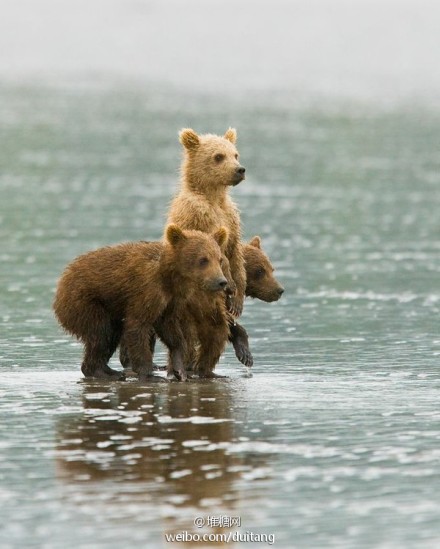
(99, 349)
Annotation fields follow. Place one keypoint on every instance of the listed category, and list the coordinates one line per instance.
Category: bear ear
(255, 242)
(189, 139)
(175, 235)
(221, 237)
(231, 135)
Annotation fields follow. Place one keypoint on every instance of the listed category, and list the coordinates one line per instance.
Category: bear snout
(274, 295)
(222, 283)
(239, 175)
(278, 293)
(218, 284)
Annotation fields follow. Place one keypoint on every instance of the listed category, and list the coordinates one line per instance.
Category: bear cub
(122, 291)
(210, 167)
(260, 284)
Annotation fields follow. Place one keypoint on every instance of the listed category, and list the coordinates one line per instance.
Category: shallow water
(333, 439)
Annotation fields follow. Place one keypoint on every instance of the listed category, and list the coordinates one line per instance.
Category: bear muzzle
(279, 292)
(275, 295)
(217, 284)
(239, 175)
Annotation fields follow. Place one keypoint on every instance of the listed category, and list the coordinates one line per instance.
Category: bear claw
(243, 354)
(106, 374)
(211, 375)
(144, 378)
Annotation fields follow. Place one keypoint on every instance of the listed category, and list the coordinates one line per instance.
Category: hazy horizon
(361, 49)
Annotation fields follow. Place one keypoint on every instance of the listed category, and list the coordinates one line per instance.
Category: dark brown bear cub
(124, 289)
(260, 284)
(207, 323)
(260, 280)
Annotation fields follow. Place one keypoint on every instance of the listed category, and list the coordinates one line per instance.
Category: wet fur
(122, 291)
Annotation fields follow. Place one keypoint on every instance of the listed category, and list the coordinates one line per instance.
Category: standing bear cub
(210, 167)
(122, 291)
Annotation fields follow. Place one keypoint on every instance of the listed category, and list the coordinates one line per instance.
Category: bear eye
(203, 261)
(219, 157)
(260, 272)
(236, 156)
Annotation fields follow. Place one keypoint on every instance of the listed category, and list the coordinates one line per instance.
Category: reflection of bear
(125, 288)
(166, 446)
(210, 166)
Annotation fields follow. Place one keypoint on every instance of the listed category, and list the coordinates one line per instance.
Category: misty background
(368, 49)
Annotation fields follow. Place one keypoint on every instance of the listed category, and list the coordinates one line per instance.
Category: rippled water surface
(333, 440)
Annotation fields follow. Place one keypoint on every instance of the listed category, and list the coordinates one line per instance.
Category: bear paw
(235, 306)
(105, 373)
(244, 355)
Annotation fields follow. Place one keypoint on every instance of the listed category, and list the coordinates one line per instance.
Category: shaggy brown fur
(260, 280)
(260, 284)
(203, 323)
(124, 289)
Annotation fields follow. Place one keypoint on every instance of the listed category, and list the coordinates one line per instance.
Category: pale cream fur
(203, 203)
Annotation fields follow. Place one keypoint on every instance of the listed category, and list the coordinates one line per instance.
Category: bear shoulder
(194, 212)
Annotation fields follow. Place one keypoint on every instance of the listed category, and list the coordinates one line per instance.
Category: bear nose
(241, 170)
(280, 291)
(222, 283)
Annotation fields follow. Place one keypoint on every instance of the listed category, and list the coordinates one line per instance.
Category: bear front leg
(239, 339)
(238, 271)
(137, 337)
(124, 357)
(176, 333)
(176, 366)
(190, 357)
(212, 344)
(235, 303)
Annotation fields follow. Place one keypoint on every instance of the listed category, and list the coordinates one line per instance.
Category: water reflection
(165, 445)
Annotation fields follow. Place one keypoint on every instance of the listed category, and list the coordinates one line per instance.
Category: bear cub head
(198, 256)
(260, 280)
(211, 161)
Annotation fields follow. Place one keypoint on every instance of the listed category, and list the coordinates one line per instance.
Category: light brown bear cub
(123, 290)
(210, 167)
